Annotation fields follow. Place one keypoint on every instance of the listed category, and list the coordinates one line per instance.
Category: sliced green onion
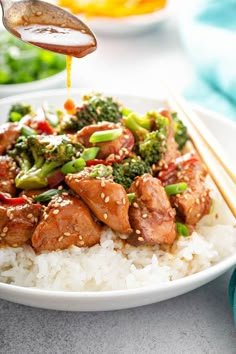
(15, 116)
(73, 166)
(177, 188)
(131, 197)
(105, 135)
(182, 229)
(51, 114)
(48, 195)
(27, 131)
(90, 153)
(125, 111)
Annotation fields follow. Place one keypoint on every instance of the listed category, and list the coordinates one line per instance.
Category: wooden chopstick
(219, 167)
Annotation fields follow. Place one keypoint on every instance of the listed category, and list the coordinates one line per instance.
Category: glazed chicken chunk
(195, 202)
(151, 215)
(8, 172)
(17, 223)
(66, 221)
(107, 200)
(9, 132)
(118, 148)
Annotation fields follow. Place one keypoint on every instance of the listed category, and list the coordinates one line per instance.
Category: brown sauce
(57, 39)
(69, 104)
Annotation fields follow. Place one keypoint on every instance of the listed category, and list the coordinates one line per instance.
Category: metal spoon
(48, 26)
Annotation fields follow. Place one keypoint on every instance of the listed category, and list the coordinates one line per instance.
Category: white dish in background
(118, 299)
(54, 81)
(127, 25)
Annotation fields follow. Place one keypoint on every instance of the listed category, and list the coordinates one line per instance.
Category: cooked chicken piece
(17, 223)
(172, 151)
(8, 172)
(195, 202)
(66, 221)
(9, 132)
(151, 215)
(107, 200)
(114, 149)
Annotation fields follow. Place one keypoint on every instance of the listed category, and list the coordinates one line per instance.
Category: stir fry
(65, 177)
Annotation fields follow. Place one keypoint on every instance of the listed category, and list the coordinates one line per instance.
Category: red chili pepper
(43, 127)
(97, 162)
(56, 178)
(12, 201)
(181, 162)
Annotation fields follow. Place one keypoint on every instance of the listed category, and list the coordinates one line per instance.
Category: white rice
(111, 265)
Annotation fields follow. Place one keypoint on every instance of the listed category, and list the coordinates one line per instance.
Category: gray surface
(198, 322)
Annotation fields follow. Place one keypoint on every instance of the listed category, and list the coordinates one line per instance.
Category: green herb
(182, 229)
(90, 153)
(27, 131)
(22, 62)
(48, 195)
(177, 188)
(131, 197)
(105, 135)
(73, 166)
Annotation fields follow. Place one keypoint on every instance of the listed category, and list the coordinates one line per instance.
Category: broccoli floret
(153, 147)
(95, 108)
(100, 171)
(180, 130)
(141, 126)
(39, 156)
(18, 111)
(125, 172)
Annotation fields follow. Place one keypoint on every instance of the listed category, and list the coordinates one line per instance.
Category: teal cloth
(208, 31)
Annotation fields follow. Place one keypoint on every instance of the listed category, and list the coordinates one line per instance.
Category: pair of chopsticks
(219, 166)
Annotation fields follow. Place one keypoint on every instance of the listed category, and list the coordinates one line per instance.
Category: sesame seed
(29, 216)
(66, 234)
(81, 243)
(137, 183)
(102, 183)
(197, 201)
(80, 237)
(60, 239)
(107, 199)
(203, 199)
(123, 201)
(144, 216)
(138, 232)
(198, 215)
(135, 205)
(105, 216)
(140, 238)
(55, 212)
(102, 195)
(60, 188)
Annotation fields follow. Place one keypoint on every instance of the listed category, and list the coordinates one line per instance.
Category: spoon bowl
(48, 26)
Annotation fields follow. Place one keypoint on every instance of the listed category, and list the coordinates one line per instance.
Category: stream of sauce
(67, 41)
(69, 104)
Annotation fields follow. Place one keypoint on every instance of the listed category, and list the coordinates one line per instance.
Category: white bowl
(119, 299)
(55, 81)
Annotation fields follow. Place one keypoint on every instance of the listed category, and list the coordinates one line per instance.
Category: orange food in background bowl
(113, 8)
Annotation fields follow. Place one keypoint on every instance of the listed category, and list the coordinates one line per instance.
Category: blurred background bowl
(26, 68)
